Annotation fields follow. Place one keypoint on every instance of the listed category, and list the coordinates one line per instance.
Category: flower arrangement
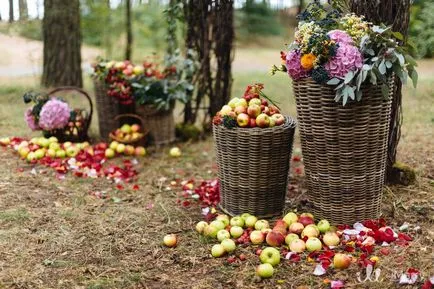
(344, 50)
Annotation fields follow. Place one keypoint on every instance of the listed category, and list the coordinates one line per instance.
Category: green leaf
(385, 90)
(360, 79)
(410, 60)
(400, 58)
(116, 200)
(388, 64)
(370, 51)
(366, 67)
(398, 35)
(349, 76)
(364, 75)
(333, 81)
(414, 77)
(382, 67)
(359, 95)
(373, 78)
(351, 92)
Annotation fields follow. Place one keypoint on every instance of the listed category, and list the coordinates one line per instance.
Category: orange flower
(307, 61)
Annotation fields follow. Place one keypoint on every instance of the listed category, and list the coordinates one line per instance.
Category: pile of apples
(297, 233)
(120, 148)
(128, 133)
(251, 110)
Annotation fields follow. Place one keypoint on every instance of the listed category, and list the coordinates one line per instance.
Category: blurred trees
(129, 44)
(11, 11)
(22, 8)
(62, 44)
(422, 27)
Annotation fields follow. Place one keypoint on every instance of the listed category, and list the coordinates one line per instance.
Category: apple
(135, 127)
(266, 110)
(223, 218)
(323, 226)
(67, 144)
(307, 215)
(331, 239)
(240, 109)
(138, 69)
(264, 102)
(223, 235)
(237, 221)
(270, 256)
(252, 122)
(201, 226)
(265, 270)
(310, 231)
(23, 152)
(175, 152)
(305, 220)
(254, 110)
(262, 224)
(44, 142)
(219, 225)
(109, 153)
(170, 240)
(243, 120)
(245, 216)
(229, 245)
(72, 151)
(60, 154)
(278, 119)
(233, 103)
(313, 244)
(217, 250)
(341, 261)
(126, 128)
(273, 109)
(140, 151)
(113, 145)
(297, 246)
(256, 237)
(226, 109)
(120, 65)
(210, 231)
(89, 150)
(39, 154)
(290, 218)
(291, 237)
(51, 153)
(120, 148)
(242, 102)
(129, 150)
(54, 146)
(236, 231)
(280, 226)
(5, 141)
(31, 157)
(251, 221)
(275, 238)
(296, 228)
(255, 101)
(265, 231)
(263, 120)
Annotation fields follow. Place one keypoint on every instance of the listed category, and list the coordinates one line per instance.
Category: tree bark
(22, 7)
(397, 14)
(62, 44)
(128, 50)
(11, 11)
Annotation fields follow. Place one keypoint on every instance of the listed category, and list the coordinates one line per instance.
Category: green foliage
(31, 29)
(422, 27)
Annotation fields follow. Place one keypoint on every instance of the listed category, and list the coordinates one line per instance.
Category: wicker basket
(344, 150)
(131, 119)
(107, 108)
(75, 131)
(160, 123)
(253, 168)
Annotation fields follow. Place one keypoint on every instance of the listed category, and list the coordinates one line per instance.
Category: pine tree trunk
(397, 14)
(11, 11)
(128, 50)
(22, 7)
(62, 44)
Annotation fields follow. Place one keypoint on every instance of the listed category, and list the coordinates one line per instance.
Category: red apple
(297, 246)
(170, 240)
(243, 120)
(280, 227)
(266, 110)
(253, 110)
(341, 261)
(264, 102)
(240, 109)
(252, 122)
(263, 120)
(135, 127)
(273, 109)
(305, 220)
(296, 228)
(278, 119)
(275, 238)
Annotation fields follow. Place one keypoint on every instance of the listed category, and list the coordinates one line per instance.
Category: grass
(55, 234)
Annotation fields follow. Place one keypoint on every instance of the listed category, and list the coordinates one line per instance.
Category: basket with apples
(253, 142)
(133, 133)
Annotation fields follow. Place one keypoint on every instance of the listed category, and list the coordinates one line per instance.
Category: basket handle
(132, 115)
(80, 91)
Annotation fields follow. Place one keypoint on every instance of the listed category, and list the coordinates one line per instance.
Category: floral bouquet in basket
(343, 50)
(254, 109)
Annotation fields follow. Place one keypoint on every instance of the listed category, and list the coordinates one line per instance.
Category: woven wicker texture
(253, 168)
(344, 150)
(107, 108)
(160, 124)
(130, 118)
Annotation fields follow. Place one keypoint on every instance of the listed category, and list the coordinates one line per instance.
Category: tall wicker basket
(160, 123)
(107, 107)
(253, 168)
(344, 150)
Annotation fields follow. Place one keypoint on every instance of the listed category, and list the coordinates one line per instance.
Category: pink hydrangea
(54, 115)
(348, 58)
(340, 37)
(293, 65)
(30, 119)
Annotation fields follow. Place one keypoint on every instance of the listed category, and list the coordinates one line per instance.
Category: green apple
(109, 153)
(170, 240)
(237, 221)
(217, 250)
(175, 152)
(270, 255)
(54, 146)
(331, 239)
(219, 225)
(236, 231)
(262, 224)
(39, 154)
(290, 218)
(242, 102)
(297, 246)
(120, 148)
(67, 144)
(23, 152)
(245, 216)
(323, 226)
(113, 145)
(126, 128)
(255, 101)
(229, 245)
(53, 139)
(51, 153)
(72, 151)
(210, 231)
(291, 237)
(313, 244)
(44, 142)
(256, 237)
(251, 221)
(265, 270)
(233, 102)
(223, 235)
(224, 218)
(201, 226)
(60, 154)
(310, 231)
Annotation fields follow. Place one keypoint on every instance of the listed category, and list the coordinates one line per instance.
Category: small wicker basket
(131, 119)
(253, 168)
(160, 123)
(344, 150)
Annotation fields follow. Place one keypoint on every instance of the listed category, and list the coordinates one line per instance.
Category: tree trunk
(62, 44)
(22, 7)
(300, 6)
(11, 11)
(128, 50)
(397, 14)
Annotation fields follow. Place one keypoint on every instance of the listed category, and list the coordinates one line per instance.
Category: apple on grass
(236, 231)
(323, 226)
(310, 231)
(262, 224)
(223, 235)
(296, 228)
(291, 237)
(270, 255)
(109, 153)
(113, 145)
(331, 239)
(60, 154)
(219, 225)
(265, 270)
(175, 152)
(243, 120)
(256, 237)
(23, 152)
(140, 151)
(297, 246)
(201, 226)
(290, 218)
(120, 148)
(251, 221)
(280, 226)
(341, 261)
(72, 151)
(51, 153)
(210, 231)
(217, 250)
(275, 238)
(229, 245)
(170, 240)
(237, 221)
(223, 218)
(313, 244)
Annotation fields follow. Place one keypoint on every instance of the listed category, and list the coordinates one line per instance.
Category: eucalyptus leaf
(388, 64)
(400, 58)
(359, 79)
(385, 90)
(398, 35)
(349, 76)
(364, 75)
(370, 51)
(333, 81)
(359, 95)
(414, 77)
(366, 67)
(382, 67)
(373, 77)
(345, 99)
(351, 92)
